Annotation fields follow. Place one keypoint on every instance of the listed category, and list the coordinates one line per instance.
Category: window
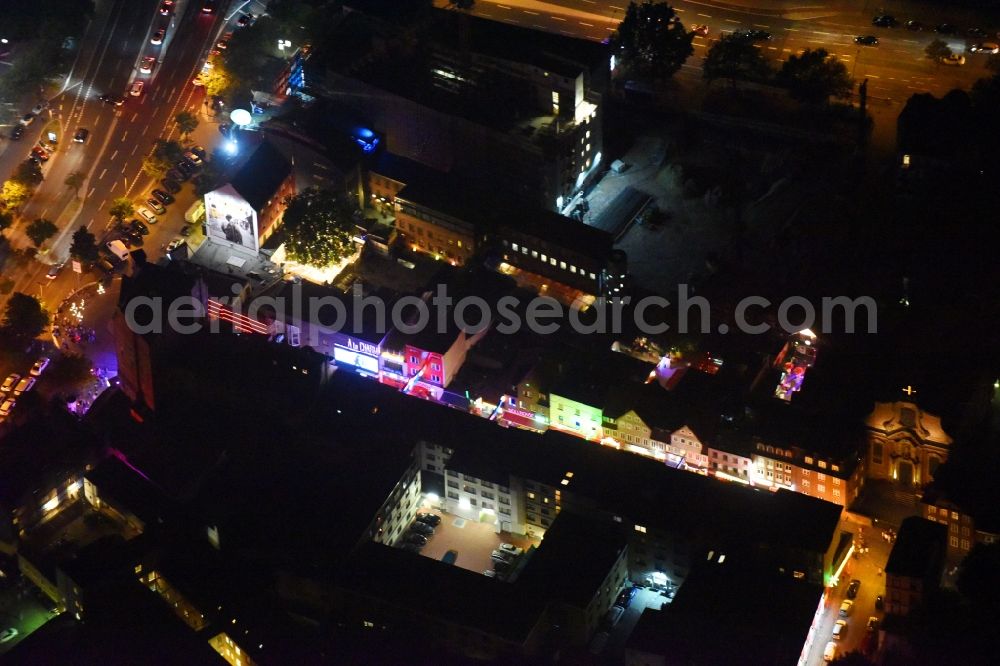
(640, 528)
(821, 488)
(472, 502)
(954, 515)
(965, 544)
(953, 542)
(836, 493)
(486, 484)
(504, 511)
(531, 495)
(469, 489)
(504, 500)
(806, 473)
(809, 460)
(453, 484)
(532, 518)
(452, 495)
(515, 247)
(431, 456)
(486, 495)
(822, 464)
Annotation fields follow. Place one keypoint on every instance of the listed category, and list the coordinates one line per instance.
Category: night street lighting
(232, 147)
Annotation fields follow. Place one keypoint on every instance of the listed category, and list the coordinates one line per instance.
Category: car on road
(193, 158)
(17, 132)
(39, 367)
(138, 226)
(222, 45)
(914, 26)
(27, 119)
(872, 624)
(166, 7)
(171, 186)
(112, 99)
(146, 67)
(6, 406)
(25, 385)
(40, 153)
(945, 29)
(54, 271)
(245, 20)
(207, 6)
(450, 557)
(625, 597)
(146, 215)
(839, 629)
(845, 608)
(852, 589)
(81, 135)
(885, 21)
(136, 88)
(431, 519)
(197, 81)
(156, 206)
(700, 29)
(753, 35)
(8, 635)
(224, 129)
(199, 151)
(41, 106)
(163, 197)
(830, 651)
(985, 47)
(510, 548)
(866, 40)
(954, 59)
(9, 383)
(422, 528)
(157, 38)
(417, 539)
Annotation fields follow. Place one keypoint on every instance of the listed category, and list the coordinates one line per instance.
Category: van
(830, 653)
(118, 249)
(613, 615)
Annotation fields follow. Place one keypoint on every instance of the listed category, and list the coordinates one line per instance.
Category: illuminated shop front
(357, 355)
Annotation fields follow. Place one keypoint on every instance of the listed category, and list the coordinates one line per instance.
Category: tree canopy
(121, 208)
(319, 228)
(40, 231)
(814, 76)
(14, 194)
(24, 317)
(84, 247)
(74, 181)
(187, 122)
(28, 173)
(938, 50)
(733, 58)
(651, 42)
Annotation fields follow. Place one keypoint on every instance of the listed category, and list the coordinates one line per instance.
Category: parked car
(417, 539)
(146, 215)
(490, 573)
(25, 385)
(8, 635)
(163, 197)
(54, 271)
(945, 29)
(157, 38)
(186, 230)
(845, 608)
(872, 623)
(954, 59)
(830, 651)
(852, 589)
(193, 158)
(753, 35)
(431, 519)
(171, 185)
(9, 383)
(613, 615)
(105, 265)
(245, 20)
(41, 106)
(422, 528)
(146, 67)
(176, 176)
(625, 597)
(976, 33)
(915, 26)
(185, 168)
(510, 548)
(134, 239)
(450, 557)
(81, 135)
(199, 151)
(866, 40)
(839, 629)
(27, 119)
(138, 226)
(501, 556)
(500, 566)
(174, 244)
(6, 406)
(156, 206)
(40, 153)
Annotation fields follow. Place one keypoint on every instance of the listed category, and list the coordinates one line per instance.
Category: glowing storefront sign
(345, 356)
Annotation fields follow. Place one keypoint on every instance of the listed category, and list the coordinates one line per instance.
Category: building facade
(905, 444)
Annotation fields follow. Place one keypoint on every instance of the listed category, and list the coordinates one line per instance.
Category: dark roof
(124, 487)
(575, 558)
(557, 229)
(402, 169)
(448, 196)
(155, 281)
(593, 379)
(721, 609)
(918, 550)
(260, 176)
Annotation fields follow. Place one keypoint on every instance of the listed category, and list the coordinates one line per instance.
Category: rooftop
(258, 178)
(919, 549)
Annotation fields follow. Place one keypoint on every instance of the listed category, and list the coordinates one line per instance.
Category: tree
(28, 173)
(319, 228)
(14, 194)
(84, 247)
(156, 166)
(186, 123)
(6, 219)
(40, 231)
(24, 317)
(68, 372)
(732, 58)
(219, 82)
(938, 50)
(651, 42)
(979, 577)
(74, 181)
(814, 76)
(121, 208)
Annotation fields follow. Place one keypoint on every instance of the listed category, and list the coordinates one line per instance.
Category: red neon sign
(241, 323)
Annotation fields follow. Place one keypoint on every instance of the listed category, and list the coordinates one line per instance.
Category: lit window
(822, 464)
(593, 277)
(809, 460)
(531, 495)
(544, 257)
(552, 260)
(534, 254)
(640, 528)
(572, 269)
(514, 246)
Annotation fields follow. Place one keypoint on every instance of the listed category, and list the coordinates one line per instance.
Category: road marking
(540, 27)
(772, 48)
(589, 25)
(91, 192)
(758, 25)
(124, 135)
(732, 21)
(503, 6)
(592, 2)
(621, 9)
(527, 12)
(114, 154)
(556, 18)
(705, 15)
(102, 204)
(103, 171)
(792, 29)
(872, 76)
(135, 148)
(134, 116)
(42, 214)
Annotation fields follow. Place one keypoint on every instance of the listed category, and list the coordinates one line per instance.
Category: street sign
(77, 267)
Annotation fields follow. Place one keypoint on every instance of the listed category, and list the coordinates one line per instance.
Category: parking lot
(473, 541)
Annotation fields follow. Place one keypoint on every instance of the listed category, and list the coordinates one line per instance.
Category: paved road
(897, 68)
(120, 137)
